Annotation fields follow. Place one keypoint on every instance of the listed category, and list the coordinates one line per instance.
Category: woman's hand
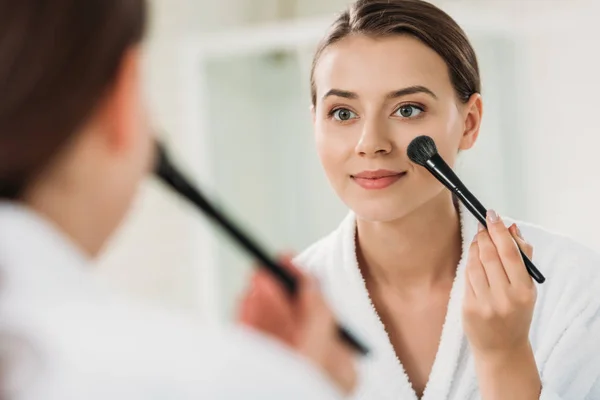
(500, 294)
(304, 323)
(497, 312)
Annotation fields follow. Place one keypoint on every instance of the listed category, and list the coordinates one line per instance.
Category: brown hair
(57, 60)
(417, 18)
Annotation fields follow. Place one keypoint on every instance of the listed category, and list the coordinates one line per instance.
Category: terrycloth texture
(565, 332)
(63, 336)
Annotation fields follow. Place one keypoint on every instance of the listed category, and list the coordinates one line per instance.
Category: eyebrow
(392, 95)
(411, 90)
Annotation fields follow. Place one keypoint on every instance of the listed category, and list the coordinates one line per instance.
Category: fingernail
(475, 239)
(492, 216)
(519, 234)
(480, 227)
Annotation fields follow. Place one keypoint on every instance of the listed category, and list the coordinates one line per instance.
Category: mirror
(265, 171)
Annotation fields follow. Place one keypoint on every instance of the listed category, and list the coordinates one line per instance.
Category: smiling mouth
(377, 180)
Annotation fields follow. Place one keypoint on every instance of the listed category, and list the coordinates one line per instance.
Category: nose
(374, 140)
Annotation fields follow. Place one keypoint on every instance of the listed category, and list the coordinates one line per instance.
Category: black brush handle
(442, 171)
(479, 211)
(175, 179)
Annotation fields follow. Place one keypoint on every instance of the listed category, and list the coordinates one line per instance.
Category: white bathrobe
(64, 336)
(565, 332)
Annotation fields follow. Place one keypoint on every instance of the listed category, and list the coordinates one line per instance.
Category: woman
(74, 145)
(449, 308)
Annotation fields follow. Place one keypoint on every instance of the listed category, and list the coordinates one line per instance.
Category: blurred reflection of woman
(74, 146)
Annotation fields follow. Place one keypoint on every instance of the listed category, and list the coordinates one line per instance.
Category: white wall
(563, 107)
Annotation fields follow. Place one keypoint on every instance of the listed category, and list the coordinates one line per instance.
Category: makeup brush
(423, 151)
(172, 177)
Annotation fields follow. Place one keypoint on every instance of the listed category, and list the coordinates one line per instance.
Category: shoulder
(569, 296)
(91, 334)
(140, 350)
(566, 322)
(561, 257)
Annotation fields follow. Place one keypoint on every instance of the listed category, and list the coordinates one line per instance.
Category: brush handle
(438, 168)
(478, 211)
(175, 179)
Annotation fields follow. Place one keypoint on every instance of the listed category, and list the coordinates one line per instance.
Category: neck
(70, 217)
(61, 196)
(419, 249)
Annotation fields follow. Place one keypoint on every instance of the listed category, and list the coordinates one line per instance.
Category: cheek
(328, 154)
(448, 135)
(334, 149)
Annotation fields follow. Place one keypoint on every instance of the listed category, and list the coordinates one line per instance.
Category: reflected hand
(305, 323)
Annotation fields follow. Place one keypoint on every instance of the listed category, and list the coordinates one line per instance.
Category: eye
(343, 114)
(409, 111)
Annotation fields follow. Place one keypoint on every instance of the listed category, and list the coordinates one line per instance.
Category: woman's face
(374, 96)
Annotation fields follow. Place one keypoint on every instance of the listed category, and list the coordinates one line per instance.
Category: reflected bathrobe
(65, 336)
(565, 331)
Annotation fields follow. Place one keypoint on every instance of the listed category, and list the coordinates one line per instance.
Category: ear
(473, 112)
(313, 113)
(121, 109)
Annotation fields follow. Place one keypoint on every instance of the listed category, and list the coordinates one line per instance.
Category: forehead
(367, 65)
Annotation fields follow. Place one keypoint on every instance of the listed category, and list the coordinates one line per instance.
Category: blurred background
(228, 84)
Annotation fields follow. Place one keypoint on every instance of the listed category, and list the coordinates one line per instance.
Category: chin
(381, 209)
(393, 205)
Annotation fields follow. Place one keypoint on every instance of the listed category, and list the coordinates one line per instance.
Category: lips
(379, 179)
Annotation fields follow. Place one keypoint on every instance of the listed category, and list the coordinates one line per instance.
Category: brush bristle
(421, 149)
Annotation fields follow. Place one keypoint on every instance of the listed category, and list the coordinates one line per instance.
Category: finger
(313, 308)
(268, 309)
(286, 262)
(476, 273)
(277, 308)
(319, 340)
(469, 292)
(507, 249)
(244, 309)
(341, 361)
(521, 242)
(246, 298)
(488, 254)
(302, 277)
(315, 318)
